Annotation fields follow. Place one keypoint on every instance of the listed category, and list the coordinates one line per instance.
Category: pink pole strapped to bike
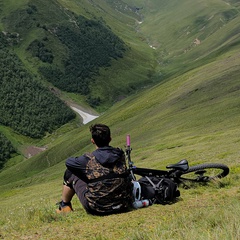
(128, 140)
(128, 152)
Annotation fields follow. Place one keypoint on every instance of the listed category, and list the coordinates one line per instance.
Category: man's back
(109, 186)
(100, 180)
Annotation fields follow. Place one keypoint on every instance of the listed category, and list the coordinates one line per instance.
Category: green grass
(195, 215)
(167, 123)
(193, 115)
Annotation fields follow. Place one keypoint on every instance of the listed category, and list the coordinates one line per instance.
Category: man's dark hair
(101, 134)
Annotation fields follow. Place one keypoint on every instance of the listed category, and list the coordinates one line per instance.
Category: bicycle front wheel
(205, 172)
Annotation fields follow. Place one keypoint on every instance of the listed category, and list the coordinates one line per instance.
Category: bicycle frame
(174, 172)
(179, 172)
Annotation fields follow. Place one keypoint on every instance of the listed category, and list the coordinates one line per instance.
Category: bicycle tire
(201, 172)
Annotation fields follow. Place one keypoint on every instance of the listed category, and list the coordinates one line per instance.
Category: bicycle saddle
(182, 165)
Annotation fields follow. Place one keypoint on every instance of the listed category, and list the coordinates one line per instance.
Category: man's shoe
(64, 208)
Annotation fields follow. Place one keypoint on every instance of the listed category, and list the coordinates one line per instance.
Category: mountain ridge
(40, 38)
(140, 10)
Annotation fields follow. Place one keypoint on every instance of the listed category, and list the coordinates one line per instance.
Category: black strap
(109, 176)
(155, 186)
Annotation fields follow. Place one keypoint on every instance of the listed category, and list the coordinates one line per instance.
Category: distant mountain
(43, 45)
(101, 51)
(74, 48)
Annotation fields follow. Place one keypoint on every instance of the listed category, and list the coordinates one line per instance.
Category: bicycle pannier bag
(159, 190)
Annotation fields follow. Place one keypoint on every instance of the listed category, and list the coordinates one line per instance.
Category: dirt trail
(87, 117)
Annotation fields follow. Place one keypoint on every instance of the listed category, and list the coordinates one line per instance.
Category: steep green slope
(120, 45)
(199, 102)
(74, 48)
(195, 116)
(26, 105)
(195, 112)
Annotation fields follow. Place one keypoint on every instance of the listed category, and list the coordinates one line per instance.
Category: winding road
(85, 116)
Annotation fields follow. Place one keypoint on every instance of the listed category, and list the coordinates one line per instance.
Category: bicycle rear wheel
(205, 172)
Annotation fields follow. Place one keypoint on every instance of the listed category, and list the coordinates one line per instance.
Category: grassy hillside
(194, 114)
(186, 32)
(47, 33)
(73, 48)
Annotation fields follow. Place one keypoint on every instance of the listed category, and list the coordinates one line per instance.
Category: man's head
(101, 135)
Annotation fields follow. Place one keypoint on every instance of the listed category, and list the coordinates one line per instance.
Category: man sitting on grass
(100, 179)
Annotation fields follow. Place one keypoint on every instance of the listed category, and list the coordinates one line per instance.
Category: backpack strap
(109, 176)
(155, 186)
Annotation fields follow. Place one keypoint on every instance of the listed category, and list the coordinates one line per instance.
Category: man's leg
(67, 194)
(71, 185)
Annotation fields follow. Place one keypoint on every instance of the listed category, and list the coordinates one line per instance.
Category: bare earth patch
(33, 150)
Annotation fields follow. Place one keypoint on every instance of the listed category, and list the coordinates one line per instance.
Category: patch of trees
(38, 49)
(6, 150)
(91, 45)
(93, 101)
(88, 44)
(31, 9)
(230, 14)
(26, 105)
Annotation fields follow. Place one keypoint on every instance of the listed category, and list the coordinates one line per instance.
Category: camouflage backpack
(109, 189)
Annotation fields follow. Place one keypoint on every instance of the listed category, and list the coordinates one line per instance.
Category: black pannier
(159, 190)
